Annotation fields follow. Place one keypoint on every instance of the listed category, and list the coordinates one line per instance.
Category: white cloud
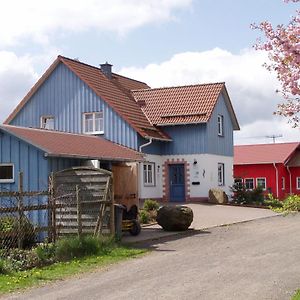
(16, 78)
(38, 19)
(250, 86)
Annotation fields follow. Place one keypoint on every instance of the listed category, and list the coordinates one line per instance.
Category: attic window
(6, 173)
(93, 123)
(47, 122)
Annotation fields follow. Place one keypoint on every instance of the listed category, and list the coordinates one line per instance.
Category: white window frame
(283, 183)
(245, 180)
(241, 181)
(11, 180)
(221, 180)
(94, 122)
(265, 179)
(220, 125)
(298, 183)
(146, 176)
(43, 122)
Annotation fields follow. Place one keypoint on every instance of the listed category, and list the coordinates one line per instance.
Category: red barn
(274, 167)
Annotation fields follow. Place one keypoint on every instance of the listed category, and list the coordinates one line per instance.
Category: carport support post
(79, 220)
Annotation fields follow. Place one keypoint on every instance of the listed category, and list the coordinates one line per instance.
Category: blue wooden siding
(220, 145)
(33, 164)
(56, 164)
(198, 138)
(64, 96)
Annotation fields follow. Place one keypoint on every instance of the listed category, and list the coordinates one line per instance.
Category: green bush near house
(150, 205)
(291, 203)
(272, 202)
(144, 216)
(241, 195)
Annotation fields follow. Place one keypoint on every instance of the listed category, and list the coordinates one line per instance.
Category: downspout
(145, 145)
(289, 171)
(274, 164)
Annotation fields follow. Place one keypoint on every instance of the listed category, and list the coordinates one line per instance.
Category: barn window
(93, 123)
(221, 180)
(298, 183)
(148, 171)
(238, 182)
(249, 183)
(261, 182)
(6, 173)
(220, 125)
(47, 122)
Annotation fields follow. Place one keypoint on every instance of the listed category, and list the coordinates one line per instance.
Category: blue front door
(177, 183)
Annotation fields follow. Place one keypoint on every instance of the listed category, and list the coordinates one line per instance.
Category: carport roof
(63, 144)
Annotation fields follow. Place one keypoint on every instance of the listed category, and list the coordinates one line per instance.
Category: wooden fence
(79, 201)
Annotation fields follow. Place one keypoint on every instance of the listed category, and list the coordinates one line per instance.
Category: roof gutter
(274, 164)
(47, 154)
(146, 144)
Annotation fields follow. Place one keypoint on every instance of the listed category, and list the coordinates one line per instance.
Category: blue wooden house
(180, 139)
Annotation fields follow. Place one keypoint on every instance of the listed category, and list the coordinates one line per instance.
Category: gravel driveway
(254, 260)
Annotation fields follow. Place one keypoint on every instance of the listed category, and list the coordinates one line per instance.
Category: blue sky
(166, 42)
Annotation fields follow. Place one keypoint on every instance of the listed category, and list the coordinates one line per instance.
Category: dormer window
(220, 125)
(93, 123)
(47, 122)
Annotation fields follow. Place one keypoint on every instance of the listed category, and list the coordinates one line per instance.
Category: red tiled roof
(115, 92)
(62, 144)
(264, 153)
(182, 104)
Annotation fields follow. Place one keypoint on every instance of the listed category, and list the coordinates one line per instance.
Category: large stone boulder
(217, 196)
(174, 218)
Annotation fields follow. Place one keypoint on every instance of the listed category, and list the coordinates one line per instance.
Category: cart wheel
(136, 228)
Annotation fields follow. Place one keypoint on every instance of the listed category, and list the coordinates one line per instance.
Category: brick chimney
(106, 69)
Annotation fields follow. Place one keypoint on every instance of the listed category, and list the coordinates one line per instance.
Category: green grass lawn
(24, 279)
(296, 296)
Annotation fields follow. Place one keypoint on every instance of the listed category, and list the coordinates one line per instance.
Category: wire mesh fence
(73, 205)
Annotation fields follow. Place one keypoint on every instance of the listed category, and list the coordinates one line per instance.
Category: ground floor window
(6, 173)
(298, 183)
(261, 182)
(238, 182)
(149, 171)
(221, 179)
(249, 183)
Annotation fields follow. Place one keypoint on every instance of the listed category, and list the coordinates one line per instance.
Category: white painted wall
(205, 172)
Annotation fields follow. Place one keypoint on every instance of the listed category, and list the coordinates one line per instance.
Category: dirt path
(255, 260)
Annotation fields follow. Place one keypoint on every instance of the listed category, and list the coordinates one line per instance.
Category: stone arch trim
(165, 178)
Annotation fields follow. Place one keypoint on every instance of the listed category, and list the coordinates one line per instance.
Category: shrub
(243, 196)
(144, 216)
(291, 203)
(20, 259)
(10, 227)
(3, 268)
(151, 205)
(74, 247)
(46, 253)
(272, 202)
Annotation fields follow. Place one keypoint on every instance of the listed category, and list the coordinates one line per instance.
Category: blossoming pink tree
(283, 46)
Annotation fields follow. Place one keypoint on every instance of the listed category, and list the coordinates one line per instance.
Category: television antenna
(274, 137)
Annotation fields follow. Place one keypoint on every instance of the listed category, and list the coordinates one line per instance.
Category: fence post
(79, 220)
(20, 212)
(52, 210)
(112, 207)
